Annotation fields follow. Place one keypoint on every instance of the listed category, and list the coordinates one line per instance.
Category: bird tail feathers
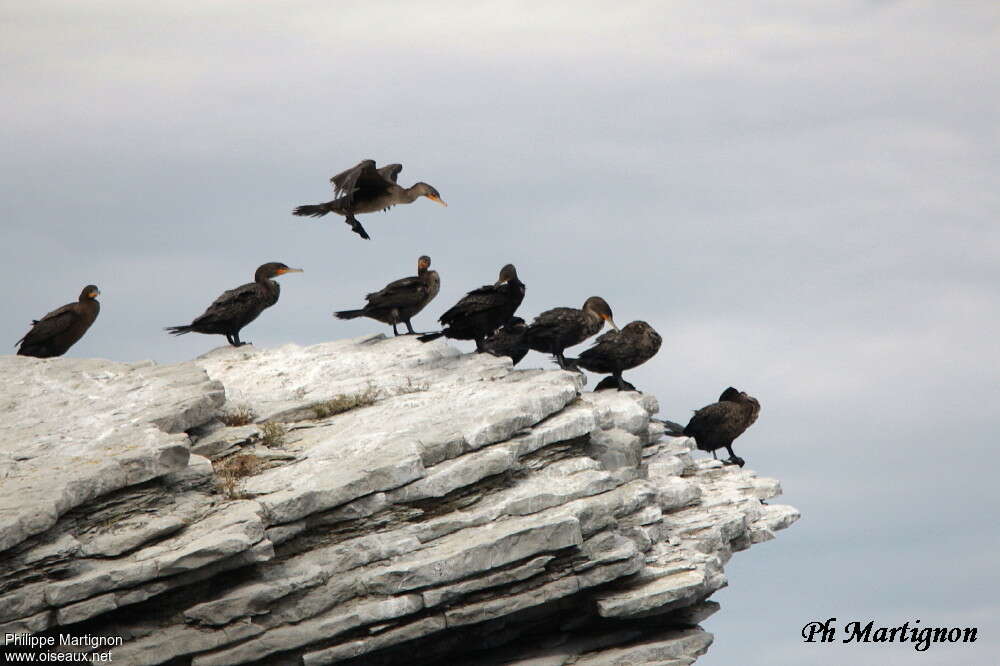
(349, 314)
(430, 336)
(178, 330)
(312, 210)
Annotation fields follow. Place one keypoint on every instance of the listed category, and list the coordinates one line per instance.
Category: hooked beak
(612, 322)
(436, 199)
(282, 271)
(95, 293)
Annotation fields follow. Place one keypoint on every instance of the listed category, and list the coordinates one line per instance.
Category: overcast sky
(801, 197)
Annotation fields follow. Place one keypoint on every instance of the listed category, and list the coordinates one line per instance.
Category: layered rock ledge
(388, 502)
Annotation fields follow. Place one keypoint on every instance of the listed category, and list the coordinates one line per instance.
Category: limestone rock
(421, 507)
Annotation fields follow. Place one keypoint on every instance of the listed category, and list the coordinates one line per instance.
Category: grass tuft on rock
(273, 434)
(231, 473)
(238, 416)
(344, 403)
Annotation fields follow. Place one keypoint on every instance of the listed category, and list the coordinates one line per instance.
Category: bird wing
(51, 324)
(233, 301)
(399, 293)
(346, 182)
(721, 419)
(390, 171)
(477, 300)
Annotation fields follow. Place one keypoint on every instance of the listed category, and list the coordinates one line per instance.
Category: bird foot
(358, 229)
(735, 460)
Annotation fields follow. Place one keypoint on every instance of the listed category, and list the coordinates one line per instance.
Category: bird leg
(356, 227)
(394, 331)
(229, 339)
(621, 382)
(237, 342)
(733, 458)
(480, 344)
(409, 328)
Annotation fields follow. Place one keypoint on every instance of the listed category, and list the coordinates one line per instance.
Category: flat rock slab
(75, 429)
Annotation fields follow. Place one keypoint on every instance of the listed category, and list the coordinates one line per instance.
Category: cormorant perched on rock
(482, 311)
(398, 301)
(609, 383)
(554, 330)
(56, 332)
(508, 340)
(716, 426)
(238, 307)
(617, 351)
(365, 189)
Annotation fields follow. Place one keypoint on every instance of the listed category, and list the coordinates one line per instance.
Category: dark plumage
(715, 426)
(398, 301)
(56, 332)
(482, 311)
(617, 351)
(508, 340)
(238, 307)
(610, 382)
(554, 330)
(366, 189)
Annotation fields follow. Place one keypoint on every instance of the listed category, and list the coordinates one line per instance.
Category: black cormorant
(554, 330)
(56, 332)
(365, 189)
(398, 301)
(482, 311)
(508, 340)
(716, 426)
(617, 351)
(238, 307)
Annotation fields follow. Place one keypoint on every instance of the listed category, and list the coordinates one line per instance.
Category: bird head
(425, 190)
(600, 307)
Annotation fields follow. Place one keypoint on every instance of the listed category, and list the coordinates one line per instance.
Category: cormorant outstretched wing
(390, 171)
(362, 176)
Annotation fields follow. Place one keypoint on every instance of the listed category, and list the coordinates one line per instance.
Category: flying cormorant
(238, 307)
(554, 330)
(617, 351)
(716, 426)
(398, 301)
(482, 311)
(508, 340)
(56, 332)
(365, 189)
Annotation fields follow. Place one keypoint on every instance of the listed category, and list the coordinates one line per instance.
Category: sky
(801, 197)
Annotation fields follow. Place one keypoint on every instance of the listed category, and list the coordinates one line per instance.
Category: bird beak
(436, 199)
(612, 322)
(499, 282)
(282, 271)
(95, 293)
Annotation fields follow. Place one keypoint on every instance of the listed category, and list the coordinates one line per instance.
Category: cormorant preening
(398, 301)
(238, 307)
(482, 311)
(56, 332)
(508, 340)
(556, 329)
(716, 426)
(617, 351)
(365, 189)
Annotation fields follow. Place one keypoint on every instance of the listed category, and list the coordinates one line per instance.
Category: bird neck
(410, 194)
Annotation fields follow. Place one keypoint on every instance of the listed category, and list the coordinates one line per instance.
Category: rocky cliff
(371, 501)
